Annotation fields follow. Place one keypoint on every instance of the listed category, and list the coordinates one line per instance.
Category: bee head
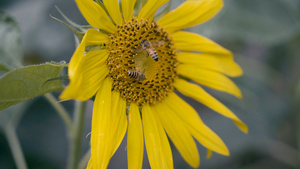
(143, 41)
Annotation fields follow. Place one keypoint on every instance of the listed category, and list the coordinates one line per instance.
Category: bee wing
(158, 44)
(138, 50)
(140, 60)
(146, 65)
(152, 69)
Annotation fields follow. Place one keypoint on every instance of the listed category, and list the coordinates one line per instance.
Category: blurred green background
(265, 39)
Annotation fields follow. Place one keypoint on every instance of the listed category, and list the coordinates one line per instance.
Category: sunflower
(133, 64)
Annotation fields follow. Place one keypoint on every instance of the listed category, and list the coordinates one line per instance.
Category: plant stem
(60, 109)
(15, 147)
(297, 128)
(76, 135)
(84, 160)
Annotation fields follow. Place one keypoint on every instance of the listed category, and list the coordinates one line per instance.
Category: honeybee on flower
(148, 46)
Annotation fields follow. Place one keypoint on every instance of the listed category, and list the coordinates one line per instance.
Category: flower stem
(76, 135)
(15, 147)
(84, 160)
(60, 109)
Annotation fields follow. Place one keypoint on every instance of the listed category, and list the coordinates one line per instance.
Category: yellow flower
(112, 63)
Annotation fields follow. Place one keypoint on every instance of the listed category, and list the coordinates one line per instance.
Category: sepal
(78, 30)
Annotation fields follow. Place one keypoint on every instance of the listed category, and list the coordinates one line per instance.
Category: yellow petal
(95, 37)
(190, 13)
(196, 126)
(88, 77)
(197, 93)
(91, 37)
(90, 164)
(221, 64)
(135, 142)
(113, 9)
(127, 8)
(178, 132)
(209, 154)
(95, 15)
(157, 144)
(210, 79)
(102, 134)
(149, 9)
(187, 41)
(120, 123)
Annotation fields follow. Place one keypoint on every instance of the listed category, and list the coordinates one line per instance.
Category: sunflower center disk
(136, 71)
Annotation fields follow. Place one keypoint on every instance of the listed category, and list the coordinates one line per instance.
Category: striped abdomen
(137, 75)
(152, 53)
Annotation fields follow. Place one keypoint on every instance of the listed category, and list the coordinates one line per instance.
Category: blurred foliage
(10, 44)
(267, 22)
(19, 84)
(22, 83)
(265, 38)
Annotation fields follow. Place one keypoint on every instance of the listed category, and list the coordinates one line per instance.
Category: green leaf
(3, 68)
(28, 82)
(10, 43)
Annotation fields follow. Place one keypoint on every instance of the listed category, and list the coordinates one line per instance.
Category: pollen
(127, 57)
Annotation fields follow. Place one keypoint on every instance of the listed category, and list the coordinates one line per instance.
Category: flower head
(136, 63)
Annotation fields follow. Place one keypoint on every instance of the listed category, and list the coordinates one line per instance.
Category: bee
(137, 75)
(148, 46)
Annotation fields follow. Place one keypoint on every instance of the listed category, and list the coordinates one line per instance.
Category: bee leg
(139, 50)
